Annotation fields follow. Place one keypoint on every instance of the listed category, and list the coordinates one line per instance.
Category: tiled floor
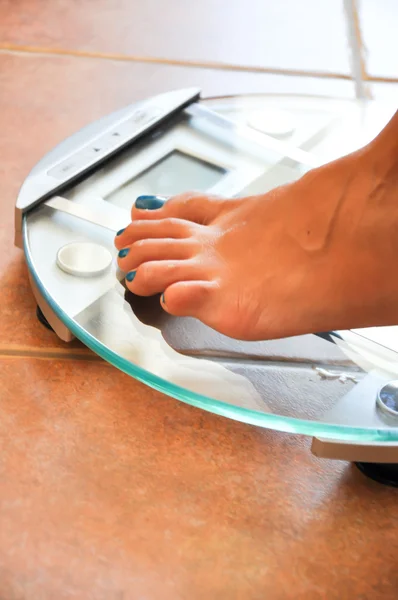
(246, 33)
(110, 490)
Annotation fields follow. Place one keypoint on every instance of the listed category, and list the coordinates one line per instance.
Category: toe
(153, 277)
(148, 250)
(204, 300)
(159, 229)
(190, 298)
(148, 207)
(195, 207)
(149, 202)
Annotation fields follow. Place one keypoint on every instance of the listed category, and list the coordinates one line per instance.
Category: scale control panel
(107, 143)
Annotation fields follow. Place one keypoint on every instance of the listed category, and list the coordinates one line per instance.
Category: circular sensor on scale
(84, 259)
(276, 123)
(387, 399)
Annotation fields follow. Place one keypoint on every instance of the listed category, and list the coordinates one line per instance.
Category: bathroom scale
(337, 387)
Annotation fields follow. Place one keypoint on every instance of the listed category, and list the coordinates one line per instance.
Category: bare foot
(315, 255)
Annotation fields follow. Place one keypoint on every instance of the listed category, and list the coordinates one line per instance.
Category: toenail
(162, 299)
(123, 252)
(130, 276)
(121, 231)
(149, 202)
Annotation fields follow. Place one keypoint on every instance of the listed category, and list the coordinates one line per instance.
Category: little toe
(190, 299)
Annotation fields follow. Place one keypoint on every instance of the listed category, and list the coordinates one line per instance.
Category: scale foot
(43, 319)
(385, 473)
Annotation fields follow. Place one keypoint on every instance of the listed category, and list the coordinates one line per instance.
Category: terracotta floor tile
(305, 35)
(111, 490)
(44, 99)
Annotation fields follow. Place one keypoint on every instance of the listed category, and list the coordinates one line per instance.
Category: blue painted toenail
(121, 231)
(162, 298)
(149, 202)
(130, 276)
(123, 252)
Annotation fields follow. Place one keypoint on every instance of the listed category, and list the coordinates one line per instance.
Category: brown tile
(111, 490)
(306, 35)
(44, 99)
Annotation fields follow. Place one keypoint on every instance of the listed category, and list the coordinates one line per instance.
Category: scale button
(276, 123)
(91, 153)
(65, 169)
(143, 117)
(139, 116)
(84, 259)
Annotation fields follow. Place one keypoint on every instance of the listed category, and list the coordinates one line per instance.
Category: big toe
(192, 206)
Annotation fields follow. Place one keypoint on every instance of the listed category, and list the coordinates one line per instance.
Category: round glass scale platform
(337, 387)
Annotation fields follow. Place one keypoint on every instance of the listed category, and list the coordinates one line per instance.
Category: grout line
(169, 62)
(48, 353)
(196, 64)
(357, 49)
(359, 36)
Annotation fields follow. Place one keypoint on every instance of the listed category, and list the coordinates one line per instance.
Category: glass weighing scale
(337, 387)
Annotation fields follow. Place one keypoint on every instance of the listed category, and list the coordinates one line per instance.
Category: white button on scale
(84, 259)
(272, 122)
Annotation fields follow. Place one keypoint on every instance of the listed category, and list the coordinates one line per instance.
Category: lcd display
(173, 174)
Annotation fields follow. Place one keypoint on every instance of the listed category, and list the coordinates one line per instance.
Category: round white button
(84, 259)
(272, 122)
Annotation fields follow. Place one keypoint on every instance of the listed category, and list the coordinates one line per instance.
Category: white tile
(379, 24)
(290, 34)
(385, 92)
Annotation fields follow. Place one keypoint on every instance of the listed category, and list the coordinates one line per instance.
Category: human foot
(315, 255)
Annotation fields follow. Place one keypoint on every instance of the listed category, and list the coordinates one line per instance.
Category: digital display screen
(173, 174)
